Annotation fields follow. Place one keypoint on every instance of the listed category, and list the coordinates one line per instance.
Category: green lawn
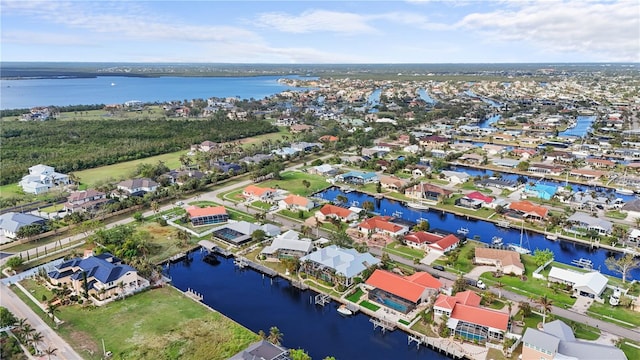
(368, 305)
(292, 182)
(37, 290)
(233, 196)
(122, 171)
(606, 312)
(355, 297)
(632, 352)
(404, 251)
(261, 205)
(11, 190)
(133, 329)
(296, 214)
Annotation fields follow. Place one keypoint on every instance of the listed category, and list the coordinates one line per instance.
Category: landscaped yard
(632, 352)
(292, 182)
(404, 251)
(623, 316)
(133, 329)
(355, 297)
(367, 305)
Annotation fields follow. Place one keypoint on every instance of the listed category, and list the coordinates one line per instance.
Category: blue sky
(425, 31)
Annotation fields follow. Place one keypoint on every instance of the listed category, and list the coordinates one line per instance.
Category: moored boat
(463, 231)
(624, 191)
(342, 309)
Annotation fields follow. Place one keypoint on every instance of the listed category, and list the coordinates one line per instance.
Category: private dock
(194, 295)
(242, 262)
(212, 247)
(177, 257)
(299, 285)
(322, 299)
(383, 324)
(444, 346)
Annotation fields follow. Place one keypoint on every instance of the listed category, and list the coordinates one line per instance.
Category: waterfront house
(546, 169)
(329, 211)
(401, 293)
(425, 191)
(493, 150)
(541, 191)
(469, 203)
(208, 215)
(257, 193)
(498, 183)
(590, 284)
(433, 142)
(357, 177)
(470, 321)
(236, 233)
(508, 163)
(392, 183)
(262, 350)
(455, 177)
(86, 200)
(477, 195)
(445, 244)
(526, 210)
(136, 187)
(582, 222)
(472, 159)
(421, 239)
(296, 202)
(102, 276)
(632, 208)
(587, 174)
(381, 224)
(42, 178)
(11, 222)
(288, 245)
(348, 263)
(556, 341)
(505, 261)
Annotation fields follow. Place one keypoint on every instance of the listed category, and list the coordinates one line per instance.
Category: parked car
(179, 203)
(438, 267)
(481, 285)
(273, 208)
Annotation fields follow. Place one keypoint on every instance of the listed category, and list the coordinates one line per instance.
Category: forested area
(73, 145)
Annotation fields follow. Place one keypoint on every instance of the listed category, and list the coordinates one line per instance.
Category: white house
(41, 179)
(287, 245)
(590, 284)
(137, 186)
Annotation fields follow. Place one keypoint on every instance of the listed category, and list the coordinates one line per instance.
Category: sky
(316, 32)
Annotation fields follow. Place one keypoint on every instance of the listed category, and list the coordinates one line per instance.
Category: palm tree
(51, 310)
(275, 336)
(546, 305)
(499, 285)
(262, 335)
(155, 207)
(184, 237)
(50, 351)
(36, 338)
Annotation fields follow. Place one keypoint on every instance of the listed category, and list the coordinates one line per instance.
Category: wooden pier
(322, 299)
(212, 247)
(242, 262)
(177, 257)
(444, 346)
(299, 285)
(383, 324)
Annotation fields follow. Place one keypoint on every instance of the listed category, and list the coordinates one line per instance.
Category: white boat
(504, 224)
(342, 309)
(552, 237)
(496, 240)
(519, 249)
(463, 231)
(583, 263)
(624, 191)
(419, 206)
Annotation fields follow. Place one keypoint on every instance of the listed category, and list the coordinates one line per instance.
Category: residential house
(262, 350)
(329, 211)
(296, 202)
(600, 163)
(583, 222)
(323, 170)
(508, 163)
(85, 200)
(433, 142)
(347, 263)
(541, 191)
(401, 293)
(498, 183)
(103, 276)
(505, 261)
(42, 178)
(328, 138)
(357, 177)
(477, 195)
(205, 146)
(455, 177)
(546, 169)
(392, 183)
(421, 239)
(632, 208)
(298, 128)
(526, 210)
(556, 341)
(425, 191)
(493, 150)
(470, 321)
(11, 222)
(236, 233)
(587, 174)
(255, 193)
(208, 215)
(590, 284)
(473, 159)
(288, 245)
(381, 224)
(225, 167)
(376, 151)
(181, 176)
(445, 244)
(136, 187)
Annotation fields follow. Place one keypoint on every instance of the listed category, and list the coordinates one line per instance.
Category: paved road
(50, 338)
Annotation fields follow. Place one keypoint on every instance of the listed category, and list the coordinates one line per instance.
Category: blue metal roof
(105, 268)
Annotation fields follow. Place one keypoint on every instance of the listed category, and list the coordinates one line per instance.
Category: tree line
(76, 145)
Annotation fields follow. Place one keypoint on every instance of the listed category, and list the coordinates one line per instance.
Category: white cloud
(42, 38)
(603, 31)
(316, 20)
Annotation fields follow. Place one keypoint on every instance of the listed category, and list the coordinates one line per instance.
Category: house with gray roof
(137, 187)
(286, 246)
(262, 350)
(42, 178)
(557, 341)
(11, 222)
(582, 222)
(348, 263)
(100, 275)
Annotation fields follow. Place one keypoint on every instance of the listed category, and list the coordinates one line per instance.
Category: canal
(564, 251)
(258, 303)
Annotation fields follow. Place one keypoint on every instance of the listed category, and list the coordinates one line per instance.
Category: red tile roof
(528, 207)
(425, 279)
(296, 200)
(195, 211)
(380, 222)
(481, 316)
(422, 237)
(477, 195)
(445, 242)
(329, 209)
(446, 302)
(256, 190)
(468, 297)
(405, 287)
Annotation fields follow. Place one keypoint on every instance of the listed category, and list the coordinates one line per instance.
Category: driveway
(432, 256)
(479, 270)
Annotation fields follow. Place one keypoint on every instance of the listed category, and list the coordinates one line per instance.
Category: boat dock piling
(322, 299)
(194, 295)
(299, 285)
(383, 324)
(436, 344)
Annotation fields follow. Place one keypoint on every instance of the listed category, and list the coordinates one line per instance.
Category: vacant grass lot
(627, 317)
(156, 324)
(292, 182)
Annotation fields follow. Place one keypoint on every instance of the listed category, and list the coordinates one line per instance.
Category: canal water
(583, 124)
(258, 303)
(564, 251)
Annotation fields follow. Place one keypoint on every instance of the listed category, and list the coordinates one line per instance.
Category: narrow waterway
(258, 303)
(564, 251)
